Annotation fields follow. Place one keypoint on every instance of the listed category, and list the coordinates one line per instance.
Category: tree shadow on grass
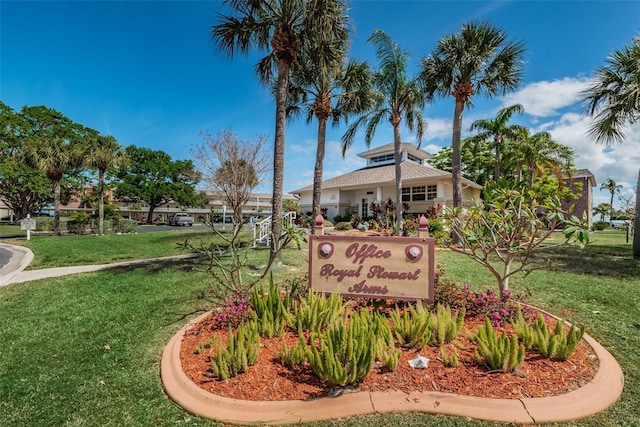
(594, 260)
(153, 267)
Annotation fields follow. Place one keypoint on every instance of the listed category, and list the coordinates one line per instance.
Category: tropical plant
(478, 59)
(613, 100)
(280, 27)
(603, 209)
(345, 353)
(498, 130)
(539, 153)
(445, 326)
(240, 352)
(57, 147)
(316, 312)
(412, 326)
(326, 87)
(498, 353)
(271, 311)
(104, 153)
(612, 187)
(509, 228)
(395, 97)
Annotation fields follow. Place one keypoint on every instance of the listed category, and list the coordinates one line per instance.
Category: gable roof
(585, 173)
(385, 174)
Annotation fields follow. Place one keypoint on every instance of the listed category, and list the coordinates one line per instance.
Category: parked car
(181, 218)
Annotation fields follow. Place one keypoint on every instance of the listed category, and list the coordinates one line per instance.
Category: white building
(423, 186)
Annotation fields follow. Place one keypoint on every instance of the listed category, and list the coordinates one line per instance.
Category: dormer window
(414, 158)
(386, 158)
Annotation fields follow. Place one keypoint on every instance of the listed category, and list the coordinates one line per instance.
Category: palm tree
(476, 60)
(394, 97)
(612, 187)
(603, 210)
(498, 130)
(614, 102)
(104, 153)
(539, 153)
(279, 27)
(327, 88)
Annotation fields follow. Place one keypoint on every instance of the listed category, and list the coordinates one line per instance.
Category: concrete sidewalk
(20, 257)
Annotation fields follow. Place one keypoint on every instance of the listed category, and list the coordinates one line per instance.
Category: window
(382, 159)
(406, 194)
(414, 158)
(432, 192)
(415, 194)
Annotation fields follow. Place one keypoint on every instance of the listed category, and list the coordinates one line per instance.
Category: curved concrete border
(601, 392)
(21, 257)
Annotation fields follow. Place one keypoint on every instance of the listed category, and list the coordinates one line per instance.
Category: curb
(20, 259)
(597, 395)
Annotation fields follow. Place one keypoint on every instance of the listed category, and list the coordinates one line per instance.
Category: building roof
(585, 173)
(385, 174)
(388, 148)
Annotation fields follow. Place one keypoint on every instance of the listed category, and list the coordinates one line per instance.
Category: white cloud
(546, 98)
(438, 129)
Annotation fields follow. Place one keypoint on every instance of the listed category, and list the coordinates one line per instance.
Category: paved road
(5, 256)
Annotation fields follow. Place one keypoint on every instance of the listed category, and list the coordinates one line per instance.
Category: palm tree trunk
(100, 202)
(56, 207)
(456, 167)
(636, 222)
(317, 172)
(397, 143)
(282, 86)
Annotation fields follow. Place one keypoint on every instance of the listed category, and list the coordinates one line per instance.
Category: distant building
(423, 186)
(583, 205)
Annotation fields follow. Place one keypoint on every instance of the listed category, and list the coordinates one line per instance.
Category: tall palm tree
(611, 186)
(395, 97)
(499, 130)
(104, 153)
(614, 102)
(279, 27)
(603, 210)
(327, 87)
(478, 59)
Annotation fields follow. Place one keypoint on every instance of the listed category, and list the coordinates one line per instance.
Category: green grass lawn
(84, 350)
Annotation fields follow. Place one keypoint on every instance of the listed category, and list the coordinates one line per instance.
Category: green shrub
(445, 326)
(343, 226)
(294, 356)
(44, 223)
(316, 312)
(450, 361)
(271, 312)
(553, 345)
(600, 225)
(95, 224)
(497, 353)
(386, 351)
(240, 352)
(124, 226)
(345, 353)
(412, 327)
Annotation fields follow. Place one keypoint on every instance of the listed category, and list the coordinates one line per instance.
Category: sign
(28, 224)
(400, 268)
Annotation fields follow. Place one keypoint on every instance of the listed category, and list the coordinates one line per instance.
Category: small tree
(503, 233)
(232, 167)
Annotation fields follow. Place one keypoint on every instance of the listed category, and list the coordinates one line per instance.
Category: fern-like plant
(294, 356)
(316, 312)
(497, 353)
(272, 312)
(449, 360)
(555, 344)
(386, 351)
(240, 352)
(344, 353)
(412, 327)
(445, 326)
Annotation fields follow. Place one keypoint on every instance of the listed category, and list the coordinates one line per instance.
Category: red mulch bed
(269, 380)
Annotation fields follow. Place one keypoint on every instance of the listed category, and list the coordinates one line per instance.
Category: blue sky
(147, 73)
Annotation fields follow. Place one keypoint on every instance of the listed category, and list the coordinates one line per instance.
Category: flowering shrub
(500, 309)
(235, 309)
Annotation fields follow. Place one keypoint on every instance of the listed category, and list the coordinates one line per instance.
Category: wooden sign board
(400, 268)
